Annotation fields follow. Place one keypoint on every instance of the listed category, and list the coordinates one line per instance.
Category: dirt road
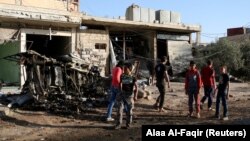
(89, 126)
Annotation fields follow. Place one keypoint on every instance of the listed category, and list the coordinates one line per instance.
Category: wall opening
(57, 46)
(162, 48)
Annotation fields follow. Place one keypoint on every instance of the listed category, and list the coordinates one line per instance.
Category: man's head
(223, 69)
(163, 59)
(209, 62)
(192, 65)
(128, 68)
(120, 63)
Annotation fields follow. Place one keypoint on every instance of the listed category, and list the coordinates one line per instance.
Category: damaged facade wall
(180, 53)
(65, 5)
(93, 47)
(6, 34)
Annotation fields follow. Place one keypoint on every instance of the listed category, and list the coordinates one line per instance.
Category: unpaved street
(90, 126)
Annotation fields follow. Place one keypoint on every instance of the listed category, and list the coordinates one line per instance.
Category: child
(222, 94)
(126, 98)
(192, 88)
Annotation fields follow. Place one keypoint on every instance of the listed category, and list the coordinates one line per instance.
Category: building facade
(56, 27)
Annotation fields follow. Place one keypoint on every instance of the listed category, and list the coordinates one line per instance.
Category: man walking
(208, 79)
(115, 88)
(161, 77)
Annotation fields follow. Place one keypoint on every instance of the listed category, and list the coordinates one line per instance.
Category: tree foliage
(223, 52)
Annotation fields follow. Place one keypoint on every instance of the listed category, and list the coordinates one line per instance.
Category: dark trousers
(208, 93)
(161, 97)
(126, 103)
(221, 96)
(193, 96)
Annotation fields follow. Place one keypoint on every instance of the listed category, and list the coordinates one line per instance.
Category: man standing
(192, 88)
(208, 79)
(161, 77)
(222, 95)
(115, 88)
(126, 99)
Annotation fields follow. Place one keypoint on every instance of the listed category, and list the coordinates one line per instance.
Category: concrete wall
(8, 1)
(179, 55)
(87, 41)
(49, 4)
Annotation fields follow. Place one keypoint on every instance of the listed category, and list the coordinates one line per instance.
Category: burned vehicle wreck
(63, 84)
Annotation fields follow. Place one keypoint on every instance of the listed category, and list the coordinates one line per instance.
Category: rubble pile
(63, 84)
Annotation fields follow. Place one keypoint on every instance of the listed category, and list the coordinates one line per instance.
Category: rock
(141, 93)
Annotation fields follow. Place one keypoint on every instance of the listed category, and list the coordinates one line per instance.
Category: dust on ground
(90, 126)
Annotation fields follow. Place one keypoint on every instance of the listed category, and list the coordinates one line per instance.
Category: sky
(214, 16)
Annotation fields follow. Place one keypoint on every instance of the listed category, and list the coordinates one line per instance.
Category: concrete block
(144, 14)
(175, 17)
(163, 16)
(133, 13)
(151, 15)
(141, 93)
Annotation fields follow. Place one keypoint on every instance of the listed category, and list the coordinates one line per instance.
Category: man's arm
(214, 81)
(167, 78)
(228, 89)
(135, 91)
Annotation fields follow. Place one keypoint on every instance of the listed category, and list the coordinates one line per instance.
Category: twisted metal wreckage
(65, 84)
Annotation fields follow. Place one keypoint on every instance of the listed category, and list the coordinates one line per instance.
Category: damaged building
(51, 33)
(56, 27)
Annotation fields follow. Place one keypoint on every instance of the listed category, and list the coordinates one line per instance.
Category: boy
(192, 88)
(208, 79)
(126, 99)
(222, 94)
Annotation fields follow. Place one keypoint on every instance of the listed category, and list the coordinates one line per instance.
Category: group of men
(194, 80)
(124, 89)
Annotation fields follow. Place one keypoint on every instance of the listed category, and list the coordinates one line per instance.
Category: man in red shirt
(115, 88)
(208, 78)
(192, 88)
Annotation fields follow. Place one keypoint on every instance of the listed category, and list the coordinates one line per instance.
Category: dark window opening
(100, 46)
(57, 46)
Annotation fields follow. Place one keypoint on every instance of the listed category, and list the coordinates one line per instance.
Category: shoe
(211, 109)
(156, 106)
(162, 110)
(217, 117)
(225, 118)
(127, 126)
(110, 119)
(190, 115)
(198, 115)
(118, 126)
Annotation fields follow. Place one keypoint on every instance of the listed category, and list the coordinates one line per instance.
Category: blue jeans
(221, 95)
(208, 90)
(114, 92)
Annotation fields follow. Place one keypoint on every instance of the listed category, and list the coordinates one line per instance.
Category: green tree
(223, 52)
